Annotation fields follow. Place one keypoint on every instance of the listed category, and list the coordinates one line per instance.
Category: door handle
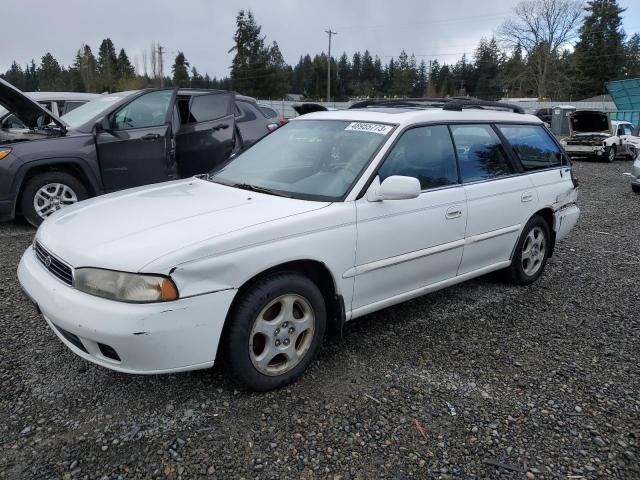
(527, 197)
(453, 212)
(150, 137)
(221, 126)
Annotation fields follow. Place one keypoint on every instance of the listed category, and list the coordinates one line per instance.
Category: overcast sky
(203, 29)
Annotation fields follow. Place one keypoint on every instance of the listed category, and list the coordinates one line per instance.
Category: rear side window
(480, 153)
(268, 112)
(209, 107)
(248, 113)
(69, 106)
(535, 149)
(425, 153)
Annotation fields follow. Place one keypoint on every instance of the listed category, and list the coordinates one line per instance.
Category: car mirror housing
(397, 187)
(102, 125)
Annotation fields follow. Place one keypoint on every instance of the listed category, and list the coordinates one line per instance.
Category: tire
(522, 271)
(610, 153)
(263, 347)
(635, 188)
(63, 189)
(633, 154)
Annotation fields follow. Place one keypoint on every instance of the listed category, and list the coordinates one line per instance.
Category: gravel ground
(483, 380)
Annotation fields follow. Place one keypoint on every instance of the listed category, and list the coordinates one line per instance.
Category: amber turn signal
(4, 152)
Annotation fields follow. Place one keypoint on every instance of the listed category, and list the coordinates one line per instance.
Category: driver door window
(149, 110)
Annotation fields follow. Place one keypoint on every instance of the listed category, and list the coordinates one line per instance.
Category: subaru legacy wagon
(334, 215)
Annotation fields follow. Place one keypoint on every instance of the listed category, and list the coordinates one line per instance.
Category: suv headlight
(125, 287)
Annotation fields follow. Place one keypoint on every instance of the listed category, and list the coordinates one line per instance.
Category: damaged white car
(333, 216)
(592, 133)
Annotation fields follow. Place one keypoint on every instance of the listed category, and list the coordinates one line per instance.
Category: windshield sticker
(369, 127)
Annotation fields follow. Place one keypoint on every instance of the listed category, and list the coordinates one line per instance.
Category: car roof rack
(450, 104)
(460, 103)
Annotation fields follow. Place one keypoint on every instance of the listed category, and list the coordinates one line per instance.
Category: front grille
(58, 268)
(71, 338)
(108, 351)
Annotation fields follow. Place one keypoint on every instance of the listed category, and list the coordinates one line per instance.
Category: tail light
(282, 121)
(272, 126)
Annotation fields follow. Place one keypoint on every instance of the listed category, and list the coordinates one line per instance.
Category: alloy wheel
(52, 197)
(282, 334)
(533, 251)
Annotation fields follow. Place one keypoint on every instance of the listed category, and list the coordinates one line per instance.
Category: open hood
(305, 108)
(586, 121)
(23, 107)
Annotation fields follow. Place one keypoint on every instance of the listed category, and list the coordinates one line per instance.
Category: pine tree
(125, 69)
(600, 52)
(250, 61)
(88, 69)
(107, 66)
(50, 74)
(632, 68)
(180, 71)
(15, 76)
(487, 82)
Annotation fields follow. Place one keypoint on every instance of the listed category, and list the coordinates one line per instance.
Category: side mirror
(396, 187)
(102, 125)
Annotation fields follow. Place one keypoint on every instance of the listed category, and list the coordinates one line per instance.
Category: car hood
(589, 122)
(23, 107)
(130, 229)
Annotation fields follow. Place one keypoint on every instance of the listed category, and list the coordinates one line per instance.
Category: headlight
(4, 152)
(125, 287)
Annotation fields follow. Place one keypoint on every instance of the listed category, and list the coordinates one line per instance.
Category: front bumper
(584, 150)
(147, 338)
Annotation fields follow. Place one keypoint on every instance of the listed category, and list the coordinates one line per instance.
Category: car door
(206, 137)
(499, 198)
(136, 148)
(404, 245)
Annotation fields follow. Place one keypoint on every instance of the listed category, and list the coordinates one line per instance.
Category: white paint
(211, 239)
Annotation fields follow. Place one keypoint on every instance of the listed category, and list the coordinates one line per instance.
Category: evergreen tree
(180, 71)
(50, 74)
(600, 52)
(88, 69)
(420, 87)
(31, 77)
(125, 69)
(15, 76)
(487, 82)
(250, 61)
(107, 66)
(632, 68)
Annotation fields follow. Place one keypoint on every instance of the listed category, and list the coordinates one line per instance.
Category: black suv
(117, 141)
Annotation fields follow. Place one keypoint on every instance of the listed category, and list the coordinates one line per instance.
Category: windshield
(307, 159)
(89, 110)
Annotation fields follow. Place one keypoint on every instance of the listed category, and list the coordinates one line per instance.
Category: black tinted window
(532, 144)
(425, 153)
(209, 107)
(149, 110)
(480, 153)
(248, 112)
(268, 112)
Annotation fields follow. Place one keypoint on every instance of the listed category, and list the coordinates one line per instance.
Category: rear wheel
(48, 192)
(635, 188)
(532, 252)
(610, 153)
(274, 331)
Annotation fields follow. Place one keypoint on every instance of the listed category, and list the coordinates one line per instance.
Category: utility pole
(330, 33)
(160, 60)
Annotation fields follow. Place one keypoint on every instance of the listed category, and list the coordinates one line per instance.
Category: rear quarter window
(208, 107)
(534, 147)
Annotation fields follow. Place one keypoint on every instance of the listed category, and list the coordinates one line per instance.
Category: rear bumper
(565, 220)
(146, 338)
(584, 150)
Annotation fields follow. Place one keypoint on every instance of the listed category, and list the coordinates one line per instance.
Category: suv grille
(59, 269)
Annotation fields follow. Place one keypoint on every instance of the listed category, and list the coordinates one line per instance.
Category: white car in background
(333, 216)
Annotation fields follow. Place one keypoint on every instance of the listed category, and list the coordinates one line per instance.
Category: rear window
(535, 149)
(209, 107)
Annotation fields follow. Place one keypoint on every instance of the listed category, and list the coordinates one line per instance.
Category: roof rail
(459, 103)
(402, 102)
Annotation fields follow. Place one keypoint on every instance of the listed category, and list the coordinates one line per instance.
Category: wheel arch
(316, 271)
(548, 216)
(73, 167)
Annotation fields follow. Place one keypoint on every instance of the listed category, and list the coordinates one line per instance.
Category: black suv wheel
(48, 192)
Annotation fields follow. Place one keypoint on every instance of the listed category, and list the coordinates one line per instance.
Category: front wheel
(610, 153)
(532, 252)
(274, 331)
(48, 192)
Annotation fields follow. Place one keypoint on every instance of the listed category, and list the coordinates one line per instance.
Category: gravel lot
(504, 382)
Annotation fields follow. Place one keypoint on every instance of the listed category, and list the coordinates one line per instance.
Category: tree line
(556, 49)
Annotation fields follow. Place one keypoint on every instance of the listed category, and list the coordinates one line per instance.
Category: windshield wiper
(256, 188)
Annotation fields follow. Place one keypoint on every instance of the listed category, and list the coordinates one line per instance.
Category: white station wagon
(332, 216)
